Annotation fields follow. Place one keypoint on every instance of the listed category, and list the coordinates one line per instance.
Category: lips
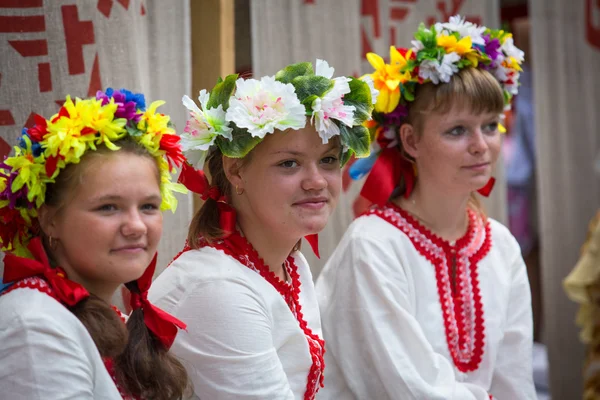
(477, 166)
(313, 200)
(130, 248)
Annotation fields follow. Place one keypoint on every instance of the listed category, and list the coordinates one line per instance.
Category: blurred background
(548, 180)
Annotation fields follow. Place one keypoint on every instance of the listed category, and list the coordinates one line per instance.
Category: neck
(445, 214)
(271, 247)
(103, 290)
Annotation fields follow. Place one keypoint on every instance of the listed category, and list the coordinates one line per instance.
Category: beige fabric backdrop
(341, 32)
(53, 48)
(566, 56)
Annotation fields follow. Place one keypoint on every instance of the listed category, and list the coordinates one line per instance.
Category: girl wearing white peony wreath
(425, 297)
(273, 148)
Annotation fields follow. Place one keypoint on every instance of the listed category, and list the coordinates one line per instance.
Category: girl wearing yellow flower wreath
(425, 297)
(80, 214)
(273, 147)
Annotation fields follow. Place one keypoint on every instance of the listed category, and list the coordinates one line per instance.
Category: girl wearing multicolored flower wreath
(425, 297)
(273, 147)
(80, 214)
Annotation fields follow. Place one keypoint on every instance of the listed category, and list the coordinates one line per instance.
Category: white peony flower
(265, 105)
(417, 45)
(464, 29)
(509, 48)
(202, 129)
(439, 72)
(323, 69)
(331, 106)
(374, 92)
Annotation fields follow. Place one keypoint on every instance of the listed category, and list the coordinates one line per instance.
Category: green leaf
(243, 142)
(311, 85)
(356, 139)
(360, 98)
(133, 130)
(222, 91)
(407, 92)
(346, 157)
(290, 72)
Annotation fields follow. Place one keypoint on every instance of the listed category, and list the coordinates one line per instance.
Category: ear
(408, 136)
(47, 220)
(232, 168)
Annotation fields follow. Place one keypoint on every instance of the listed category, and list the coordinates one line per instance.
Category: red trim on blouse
(461, 304)
(241, 250)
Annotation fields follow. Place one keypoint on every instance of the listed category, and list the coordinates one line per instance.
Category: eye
(107, 208)
(490, 128)
(150, 207)
(288, 164)
(457, 131)
(330, 160)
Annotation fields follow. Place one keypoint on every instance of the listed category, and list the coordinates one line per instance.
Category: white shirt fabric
(47, 353)
(384, 328)
(242, 341)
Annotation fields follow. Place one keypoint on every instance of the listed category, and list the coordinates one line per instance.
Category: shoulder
(502, 240)
(204, 277)
(29, 315)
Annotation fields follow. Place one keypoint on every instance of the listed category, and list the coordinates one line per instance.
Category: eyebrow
(332, 146)
(113, 197)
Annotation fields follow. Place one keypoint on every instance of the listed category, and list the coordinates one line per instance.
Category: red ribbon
(313, 240)
(487, 189)
(17, 268)
(196, 181)
(385, 175)
(162, 324)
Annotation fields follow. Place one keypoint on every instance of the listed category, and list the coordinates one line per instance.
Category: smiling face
(291, 184)
(108, 228)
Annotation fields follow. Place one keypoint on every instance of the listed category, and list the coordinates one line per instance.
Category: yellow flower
(512, 63)
(462, 47)
(30, 172)
(154, 125)
(388, 77)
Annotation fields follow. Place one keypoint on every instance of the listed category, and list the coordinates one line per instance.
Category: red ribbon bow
(196, 181)
(17, 268)
(385, 175)
(161, 323)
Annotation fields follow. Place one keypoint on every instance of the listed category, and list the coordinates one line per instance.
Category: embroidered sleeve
(228, 347)
(367, 312)
(513, 375)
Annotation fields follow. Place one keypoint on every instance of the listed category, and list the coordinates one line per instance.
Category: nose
(314, 179)
(478, 144)
(133, 224)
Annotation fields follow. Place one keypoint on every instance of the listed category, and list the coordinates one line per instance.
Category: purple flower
(492, 47)
(20, 196)
(396, 116)
(126, 108)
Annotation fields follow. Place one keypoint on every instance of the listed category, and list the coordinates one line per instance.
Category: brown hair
(206, 220)
(143, 366)
(471, 88)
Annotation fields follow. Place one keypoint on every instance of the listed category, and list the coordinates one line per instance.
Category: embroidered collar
(456, 269)
(240, 249)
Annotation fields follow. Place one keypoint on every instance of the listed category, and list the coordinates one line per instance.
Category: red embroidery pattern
(40, 285)
(239, 248)
(461, 308)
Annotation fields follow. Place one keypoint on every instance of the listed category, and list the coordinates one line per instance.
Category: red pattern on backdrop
(592, 30)
(78, 34)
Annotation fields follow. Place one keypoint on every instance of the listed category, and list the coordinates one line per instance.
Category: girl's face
(291, 184)
(456, 150)
(108, 230)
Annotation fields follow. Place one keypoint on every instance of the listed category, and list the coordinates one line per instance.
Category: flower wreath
(436, 55)
(44, 150)
(238, 113)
